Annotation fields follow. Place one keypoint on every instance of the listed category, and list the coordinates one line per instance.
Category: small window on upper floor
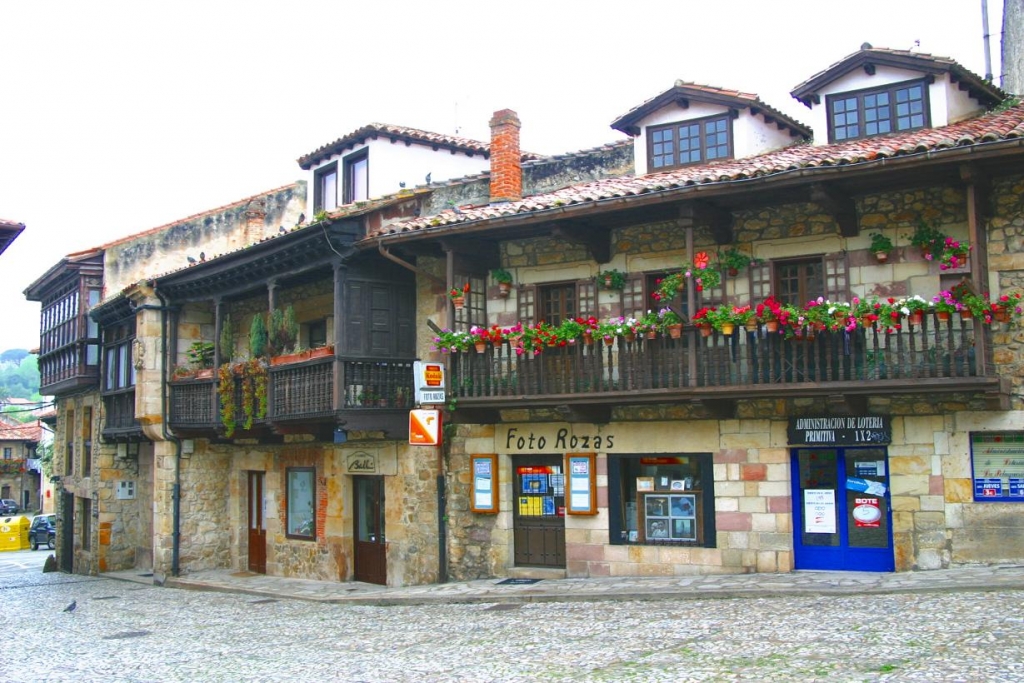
(688, 142)
(357, 177)
(325, 188)
(892, 109)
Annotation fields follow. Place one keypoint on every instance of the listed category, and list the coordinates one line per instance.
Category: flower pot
(772, 325)
(916, 317)
(480, 346)
(966, 313)
(705, 330)
(732, 272)
(751, 326)
(607, 281)
(675, 330)
(653, 334)
(630, 337)
(728, 328)
(459, 302)
(608, 341)
(881, 256)
(504, 288)
(204, 373)
(942, 315)
(1001, 314)
(588, 338)
(321, 352)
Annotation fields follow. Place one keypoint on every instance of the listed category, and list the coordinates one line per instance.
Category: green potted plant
(612, 279)
(669, 322)
(881, 246)
(200, 357)
(928, 238)
(732, 261)
(504, 280)
(452, 341)
(257, 337)
(283, 332)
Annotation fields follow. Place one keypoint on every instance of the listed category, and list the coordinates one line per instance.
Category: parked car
(43, 530)
(8, 507)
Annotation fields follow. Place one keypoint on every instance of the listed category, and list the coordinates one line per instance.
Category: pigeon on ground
(72, 606)
(190, 259)
(457, 210)
(428, 179)
(302, 219)
(281, 229)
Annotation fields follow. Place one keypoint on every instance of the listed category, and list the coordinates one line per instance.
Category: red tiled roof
(993, 127)
(684, 91)
(398, 133)
(11, 430)
(985, 92)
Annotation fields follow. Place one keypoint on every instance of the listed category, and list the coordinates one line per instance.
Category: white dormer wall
(393, 163)
(947, 103)
(750, 135)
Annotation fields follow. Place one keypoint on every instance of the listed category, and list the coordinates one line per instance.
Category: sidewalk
(969, 578)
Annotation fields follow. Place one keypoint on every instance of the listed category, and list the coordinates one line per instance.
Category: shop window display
(661, 500)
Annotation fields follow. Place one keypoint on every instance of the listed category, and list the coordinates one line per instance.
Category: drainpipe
(176, 489)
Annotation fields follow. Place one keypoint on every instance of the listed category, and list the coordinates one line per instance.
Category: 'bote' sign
(860, 430)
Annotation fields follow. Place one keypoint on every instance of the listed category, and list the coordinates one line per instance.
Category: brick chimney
(506, 166)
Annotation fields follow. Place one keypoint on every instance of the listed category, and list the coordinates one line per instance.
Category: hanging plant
(226, 394)
(732, 260)
(254, 391)
(612, 279)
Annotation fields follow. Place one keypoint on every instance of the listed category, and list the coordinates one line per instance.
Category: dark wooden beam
(597, 241)
(474, 247)
(847, 404)
(717, 218)
(474, 416)
(840, 205)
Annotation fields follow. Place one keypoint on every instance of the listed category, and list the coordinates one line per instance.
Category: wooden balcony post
(686, 223)
(218, 326)
(338, 389)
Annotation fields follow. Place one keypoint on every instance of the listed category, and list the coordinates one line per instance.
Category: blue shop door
(842, 518)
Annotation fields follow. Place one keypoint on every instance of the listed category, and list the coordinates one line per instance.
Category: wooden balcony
(936, 356)
(120, 423)
(374, 395)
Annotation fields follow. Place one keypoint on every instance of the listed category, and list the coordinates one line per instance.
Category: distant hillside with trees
(19, 375)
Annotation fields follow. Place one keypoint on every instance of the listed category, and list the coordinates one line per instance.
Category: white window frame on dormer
(702, 140)
(356, 176)
(325, 187)
(897, 116)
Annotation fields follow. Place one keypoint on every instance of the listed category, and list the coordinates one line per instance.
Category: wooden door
(66, 533)
(539, 512)
(257, 526)
(370, 544)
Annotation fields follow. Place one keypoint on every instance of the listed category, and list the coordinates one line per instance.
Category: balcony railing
(936, 354)
(300, 392)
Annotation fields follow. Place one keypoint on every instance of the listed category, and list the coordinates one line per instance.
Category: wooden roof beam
(840, 205)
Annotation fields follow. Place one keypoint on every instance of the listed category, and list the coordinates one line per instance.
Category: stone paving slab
(967, 578)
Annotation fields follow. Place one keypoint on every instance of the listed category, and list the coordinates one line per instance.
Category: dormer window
(325, 187)
(357, 177)
(685, 143)
(894, 108)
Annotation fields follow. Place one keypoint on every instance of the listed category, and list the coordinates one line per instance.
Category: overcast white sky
(116, 117)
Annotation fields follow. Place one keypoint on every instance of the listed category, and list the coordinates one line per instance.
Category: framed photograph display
(670, 517)
(645, 483)
(581, 498)
(484, 469)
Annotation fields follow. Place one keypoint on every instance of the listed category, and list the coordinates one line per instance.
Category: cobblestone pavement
(128, 631)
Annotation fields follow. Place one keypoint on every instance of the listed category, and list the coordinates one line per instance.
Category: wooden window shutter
(526, 304)
(356, 336)
(762, 281)
(837, 280)
(634, 303)
(586, 298)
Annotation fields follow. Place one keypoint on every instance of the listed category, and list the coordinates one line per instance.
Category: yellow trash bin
(14, 532)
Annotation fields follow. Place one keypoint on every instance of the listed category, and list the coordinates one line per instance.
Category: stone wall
(935, 521)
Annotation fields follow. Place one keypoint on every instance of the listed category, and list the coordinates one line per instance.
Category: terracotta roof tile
(985, 92)
(992, 127)
(684, 90)
(374, 130)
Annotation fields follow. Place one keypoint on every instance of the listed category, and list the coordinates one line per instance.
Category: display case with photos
(670, 518)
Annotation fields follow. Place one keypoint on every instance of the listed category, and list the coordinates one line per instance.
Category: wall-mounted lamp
(133, 448)
(340, 435)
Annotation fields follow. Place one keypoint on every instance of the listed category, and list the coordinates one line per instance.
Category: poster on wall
(998, 466)
(867, 514)
(582, 484)
(485, 483)
(819, 511)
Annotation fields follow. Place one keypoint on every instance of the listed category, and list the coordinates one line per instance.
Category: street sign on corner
(429, 381)
(424, 427)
